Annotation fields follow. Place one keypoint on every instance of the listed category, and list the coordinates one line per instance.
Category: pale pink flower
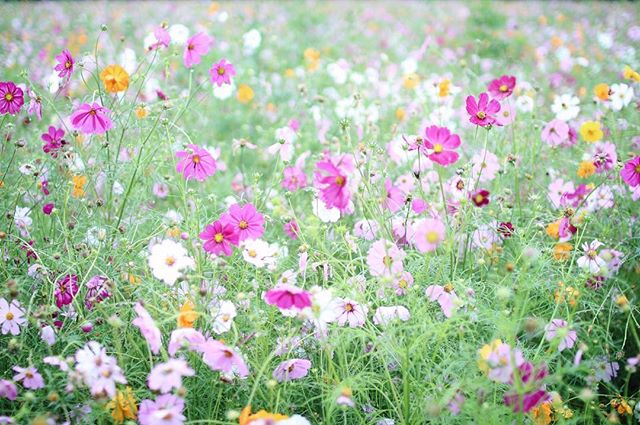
(166, 376)
(148, 328)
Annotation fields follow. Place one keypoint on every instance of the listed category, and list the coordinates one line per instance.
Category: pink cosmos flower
(163, 38)
(532, 381)
(555, 133)
(394, 199)
(196, 47)
(65, 64)
(8, 390)
(591, 260)
(500, 363)
(148, 328)
(331, 178)
(385, 259)
(35, 104)
(291, 369)
(11, 98)
(288, 297)
(53, 141)
(166, 376)
(219, 238)
(480, 197)
(507, 114)
(66, 290)
(196, 162)
(184, 338)
(385, 315)
(441, 142)
(429, 234)
(29, 376)
(485, 166)
(447, 299)
(630, 173)
(294, 178)
(97, 291)
(604, 156)
(559, 328)
(351, 313)
(402, 283)
(222, 358)
(482, 112)
(291, 229)
(247, 222)
(91, 119)
(222, 72)
(11, 317)
(165, 410)
(502, 87)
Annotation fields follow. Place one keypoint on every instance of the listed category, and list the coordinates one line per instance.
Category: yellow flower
(443, 88)
(411, 81)
(187, 315)
(553, 230)
(630, 74)
(602, 91)
(562, 251)
(312, 56)
(568, 294)
(142, 112)
(213, 8)
(289, 73)
(115, 78)
(78, 186)
(245, 93)
(621, 405)
(123, 406)
(485, 352)
(586, 169)
(591, 131)
(400, 114)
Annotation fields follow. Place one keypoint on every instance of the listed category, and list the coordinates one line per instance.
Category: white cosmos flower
(223, 317)
(566, 107)
(179, 34)
(259, 253)
(167, 261)
(621, 96)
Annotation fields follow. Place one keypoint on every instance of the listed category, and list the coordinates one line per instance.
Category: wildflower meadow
(319, 213)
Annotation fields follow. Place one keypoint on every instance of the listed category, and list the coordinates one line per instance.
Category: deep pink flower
(222, 72)
(48, 208)
(53, 140)
(395, 198)
(196, 47)
(97, 291)
(291, 229)
(483, 112)
(502, 87)
(148, 328)
(247, 222)
(291, 369)
(66, 290)
(65, 64)
(219, 238)
(505, 229)
(223, 358)
(331, 178)
(294, 178)
(196, 162)
(287, 297)
(441, 142)
(604, 156)
(11, 98)
(630, 173)
(91, 119)
(480, 197)
(534, 392)
(165, 410)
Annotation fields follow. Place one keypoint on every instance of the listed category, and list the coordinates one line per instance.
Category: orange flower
(553, 230)
(78, 186)
(246, 417)
(115, 78)
(400, 114)
(123, 406)
(443, 88)
(541, 414)
(602, 91)
(562, 250)
(245, 93)
(586, 169)
(187, 316)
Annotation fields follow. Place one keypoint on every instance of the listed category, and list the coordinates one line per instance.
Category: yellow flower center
(8, 97)
(637, 168)
(481, 115)
(387, 260)
(252, 253)
(437, 148)
(243, 224)
(402, 284)
(218, 237)
(220, 70)
(340, 181)
(504, 88)
(348, 307)
(92, 112)
(9, 316)
(592, 254)
(67, 64)
(170, 261)
(432, 236)
(479, 199)
(195, 159)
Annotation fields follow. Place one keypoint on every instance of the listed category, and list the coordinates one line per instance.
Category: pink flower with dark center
(163, 38)
(502, 87)
(196, 162)
(11, 98)
(385, 259)
(288, 297)
(223, 358)
(446, 298)
(480, 197)
(291, 369)
(630, 173)
(291, 229)
(30, 377)
(11, 317)
(483, 111)
(331, 178)
(604, 156)
(91, 119)
(97, 291)
(35, 105)
(53, 140)
(555, 133)
(66, 290)
(351, 313)
(222, 72)
(148, 328)
(220, 238)
(247, 222)
(196, 47)
(65, 64)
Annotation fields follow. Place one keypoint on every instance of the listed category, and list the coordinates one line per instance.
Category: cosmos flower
(11, 98)
(332, 177)
(483, 111)
(222, 358)
(351, 313)
(196, 47)
(196, 162)
(429, 234)
(534, 392)
(114, 78)
(502, 87)
(385, 259)
(222, 72)
(53, 139)
(287, 297)
(167, 409)
(444, 296)
(11, 317)
(219, 238)
(29, 376)
(148, 328)
(246, 221)
(91, 119)
(168, 260)
(168, 375)
(291, 369)
(591, 261)
(630, 173)
(65, 64)
(66, 290)
(559, 329)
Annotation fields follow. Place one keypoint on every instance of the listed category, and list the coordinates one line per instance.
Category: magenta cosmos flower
(429, 234)
(331, 178)
(480, 197)
(223, 358)
(65, 64)
(287, 297)
(222, 72)
(446, 298)
(11, 98)
(220, 238)
(66, 290)
(53, 140)
(483, 111)
(196, 47)
(630, 173)
(91, 119)
(247, 222)
(291, 369)
(502, 87)
(165, 410)
(196, 162)
(534, 392)
(441, 142)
